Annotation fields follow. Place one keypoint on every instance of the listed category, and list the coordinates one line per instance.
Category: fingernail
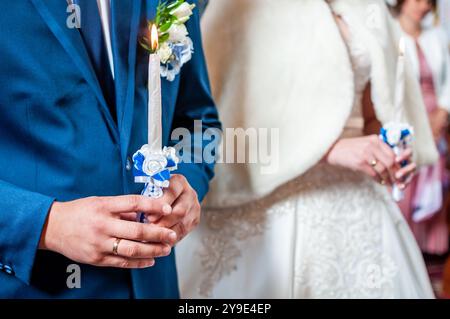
(167, 209)
(398, 175)
(402, 186)
(167, 250)
(173, 236)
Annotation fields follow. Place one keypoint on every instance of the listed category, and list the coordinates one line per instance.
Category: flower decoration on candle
(154, 169)
(398, 134)
(175, 46)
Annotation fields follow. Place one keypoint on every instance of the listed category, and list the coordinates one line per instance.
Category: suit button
(129, 164)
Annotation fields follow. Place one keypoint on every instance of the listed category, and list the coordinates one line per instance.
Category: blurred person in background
(444, 20)
(428, 51)
(443, 12)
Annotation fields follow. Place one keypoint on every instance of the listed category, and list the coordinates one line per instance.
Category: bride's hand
(368, 154)
(405, 174)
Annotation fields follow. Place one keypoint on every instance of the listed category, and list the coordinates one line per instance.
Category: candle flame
(154, 38)
(402, 46)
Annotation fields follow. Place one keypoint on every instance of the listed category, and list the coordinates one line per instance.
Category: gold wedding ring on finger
(116, 246)
(374, 163)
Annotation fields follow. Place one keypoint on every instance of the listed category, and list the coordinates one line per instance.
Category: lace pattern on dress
(339, 250)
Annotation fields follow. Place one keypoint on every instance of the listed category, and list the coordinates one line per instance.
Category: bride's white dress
(331, 233)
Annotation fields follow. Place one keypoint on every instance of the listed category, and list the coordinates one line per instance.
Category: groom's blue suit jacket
(59, 141)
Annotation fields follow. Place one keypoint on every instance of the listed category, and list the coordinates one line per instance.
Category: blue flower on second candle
(396, 134)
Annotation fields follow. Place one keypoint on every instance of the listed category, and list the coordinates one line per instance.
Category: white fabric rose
(154, 163)
(177, 33)
(183, 12)
(164, 52)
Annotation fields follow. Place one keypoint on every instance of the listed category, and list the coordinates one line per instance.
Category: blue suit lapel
(54, 14)
(125, 30)
(121, 45)
(134, 33)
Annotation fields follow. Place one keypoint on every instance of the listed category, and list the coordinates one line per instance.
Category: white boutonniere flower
(165, 53)
(183, 12)
(177, 33)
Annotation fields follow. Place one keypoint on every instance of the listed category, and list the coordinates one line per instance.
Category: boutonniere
(175, 46)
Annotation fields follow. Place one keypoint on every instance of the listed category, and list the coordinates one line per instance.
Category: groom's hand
(86, 231)
(186, 209)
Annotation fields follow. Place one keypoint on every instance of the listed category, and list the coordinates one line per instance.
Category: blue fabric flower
(154, 167)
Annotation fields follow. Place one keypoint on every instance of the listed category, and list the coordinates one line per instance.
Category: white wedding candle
(154, 95)
(397, 193)
(400, 83)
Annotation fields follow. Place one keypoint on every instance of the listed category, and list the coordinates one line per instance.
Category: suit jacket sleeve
(22, 218)
(195, 103)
